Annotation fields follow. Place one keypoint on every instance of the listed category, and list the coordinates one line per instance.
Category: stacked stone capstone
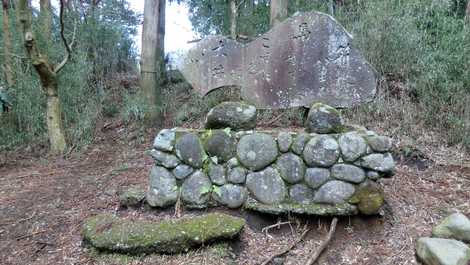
(327, 170)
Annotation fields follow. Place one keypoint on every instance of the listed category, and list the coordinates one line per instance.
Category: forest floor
(43, 202)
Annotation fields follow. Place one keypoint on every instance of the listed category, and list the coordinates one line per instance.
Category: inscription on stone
(308, 58)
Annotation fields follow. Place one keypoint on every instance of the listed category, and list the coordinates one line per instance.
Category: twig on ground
(30, 235)
(178, 205)
(19, 221)
(278, 225)
(27, 175)
(325, 243)
(288, 248)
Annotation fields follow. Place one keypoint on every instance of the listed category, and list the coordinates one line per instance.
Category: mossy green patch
(369, 198)
(110, 233)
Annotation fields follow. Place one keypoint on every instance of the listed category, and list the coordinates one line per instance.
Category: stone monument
(307, 58)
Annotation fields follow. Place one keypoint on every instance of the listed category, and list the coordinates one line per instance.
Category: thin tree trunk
(467, 13)
(45, 18)
(233, 19)
(7, 45)
(150, 66)
(278, 11)
(161, 40)
(48, 78)
(161, 27)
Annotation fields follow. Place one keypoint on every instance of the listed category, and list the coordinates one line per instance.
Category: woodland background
(420, 48)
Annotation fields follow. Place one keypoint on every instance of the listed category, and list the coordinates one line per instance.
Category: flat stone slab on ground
(344, 209)
(110, 233)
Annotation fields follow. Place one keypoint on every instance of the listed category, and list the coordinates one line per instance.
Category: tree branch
(68, 47)
(325, 243)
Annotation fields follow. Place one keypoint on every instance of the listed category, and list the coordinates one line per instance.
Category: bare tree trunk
(7, 45)
(278, 11)
(233, 19)
(45, 16)
(45, 22)
(48, 77)
(467, 13)
(150, 64)
(161, 41)
(161, 27)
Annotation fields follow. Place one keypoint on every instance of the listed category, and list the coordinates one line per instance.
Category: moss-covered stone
(235, 115)
(324, 119)
(132, 196)
(219, 143)
(369, 198)
(341, 209)
(111, 233)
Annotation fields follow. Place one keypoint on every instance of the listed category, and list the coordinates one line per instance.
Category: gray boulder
(217, 174)
(379, 162)
(162, 188)
(196, 189)
(182, 171)
(438, 251)
(348, 173)
(164, 159)
(220, 144)
(299, 143)
(315, 177)
(323, 119)
(234, 115)
(237, 175)
(302, 194)
(334, 192)
(257, 151)
(379, 143)
(291, 167)
(266, 186)
(455, 226)
(165, 140)
(284, 141)
(321, 150)
(352, 146)
(189, 149)
(230, 195)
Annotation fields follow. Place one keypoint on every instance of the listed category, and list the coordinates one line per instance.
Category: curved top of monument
(305, 59)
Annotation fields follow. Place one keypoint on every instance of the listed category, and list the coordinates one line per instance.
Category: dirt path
(42, 204)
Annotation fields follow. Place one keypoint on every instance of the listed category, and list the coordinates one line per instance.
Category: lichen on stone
(111, 233)
(340, 209)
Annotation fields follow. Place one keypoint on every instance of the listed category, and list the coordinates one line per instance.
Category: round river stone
(291, 167)
(321, 150)
(196, 189)
(230, 195)
(189, 149)
(266, 186)
(162, 188)
(235, 115)
(257, 151)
